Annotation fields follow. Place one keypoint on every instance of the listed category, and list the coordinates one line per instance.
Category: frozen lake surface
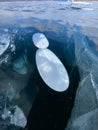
(72, 32)
(50, 15)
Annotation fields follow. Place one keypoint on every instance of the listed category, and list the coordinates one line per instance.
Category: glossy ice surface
(40, 40)
(52, 70)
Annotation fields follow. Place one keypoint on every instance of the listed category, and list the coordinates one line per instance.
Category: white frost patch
(4, 43)
(18, 118)
(12, 47)
(88, 8)
(5, 59)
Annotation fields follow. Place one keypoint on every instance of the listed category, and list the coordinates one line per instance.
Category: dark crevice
(51, 110)
(44, 108)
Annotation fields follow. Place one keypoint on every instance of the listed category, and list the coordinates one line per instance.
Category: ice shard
(18, 118)
(4, 43)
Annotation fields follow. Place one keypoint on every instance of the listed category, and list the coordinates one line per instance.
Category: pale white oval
(52, 70)
(40, 40)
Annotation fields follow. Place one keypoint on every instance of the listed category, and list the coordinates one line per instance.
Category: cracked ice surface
(73, 45)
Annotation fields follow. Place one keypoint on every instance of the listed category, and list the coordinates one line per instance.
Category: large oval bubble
(40, 40)
(52, 70)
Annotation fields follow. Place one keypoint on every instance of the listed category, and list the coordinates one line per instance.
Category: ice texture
(10, 113)
(4, 43)
(85, 110)
(18, 118)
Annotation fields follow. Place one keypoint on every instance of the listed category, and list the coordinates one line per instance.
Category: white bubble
(52, 70)
(40, 40)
